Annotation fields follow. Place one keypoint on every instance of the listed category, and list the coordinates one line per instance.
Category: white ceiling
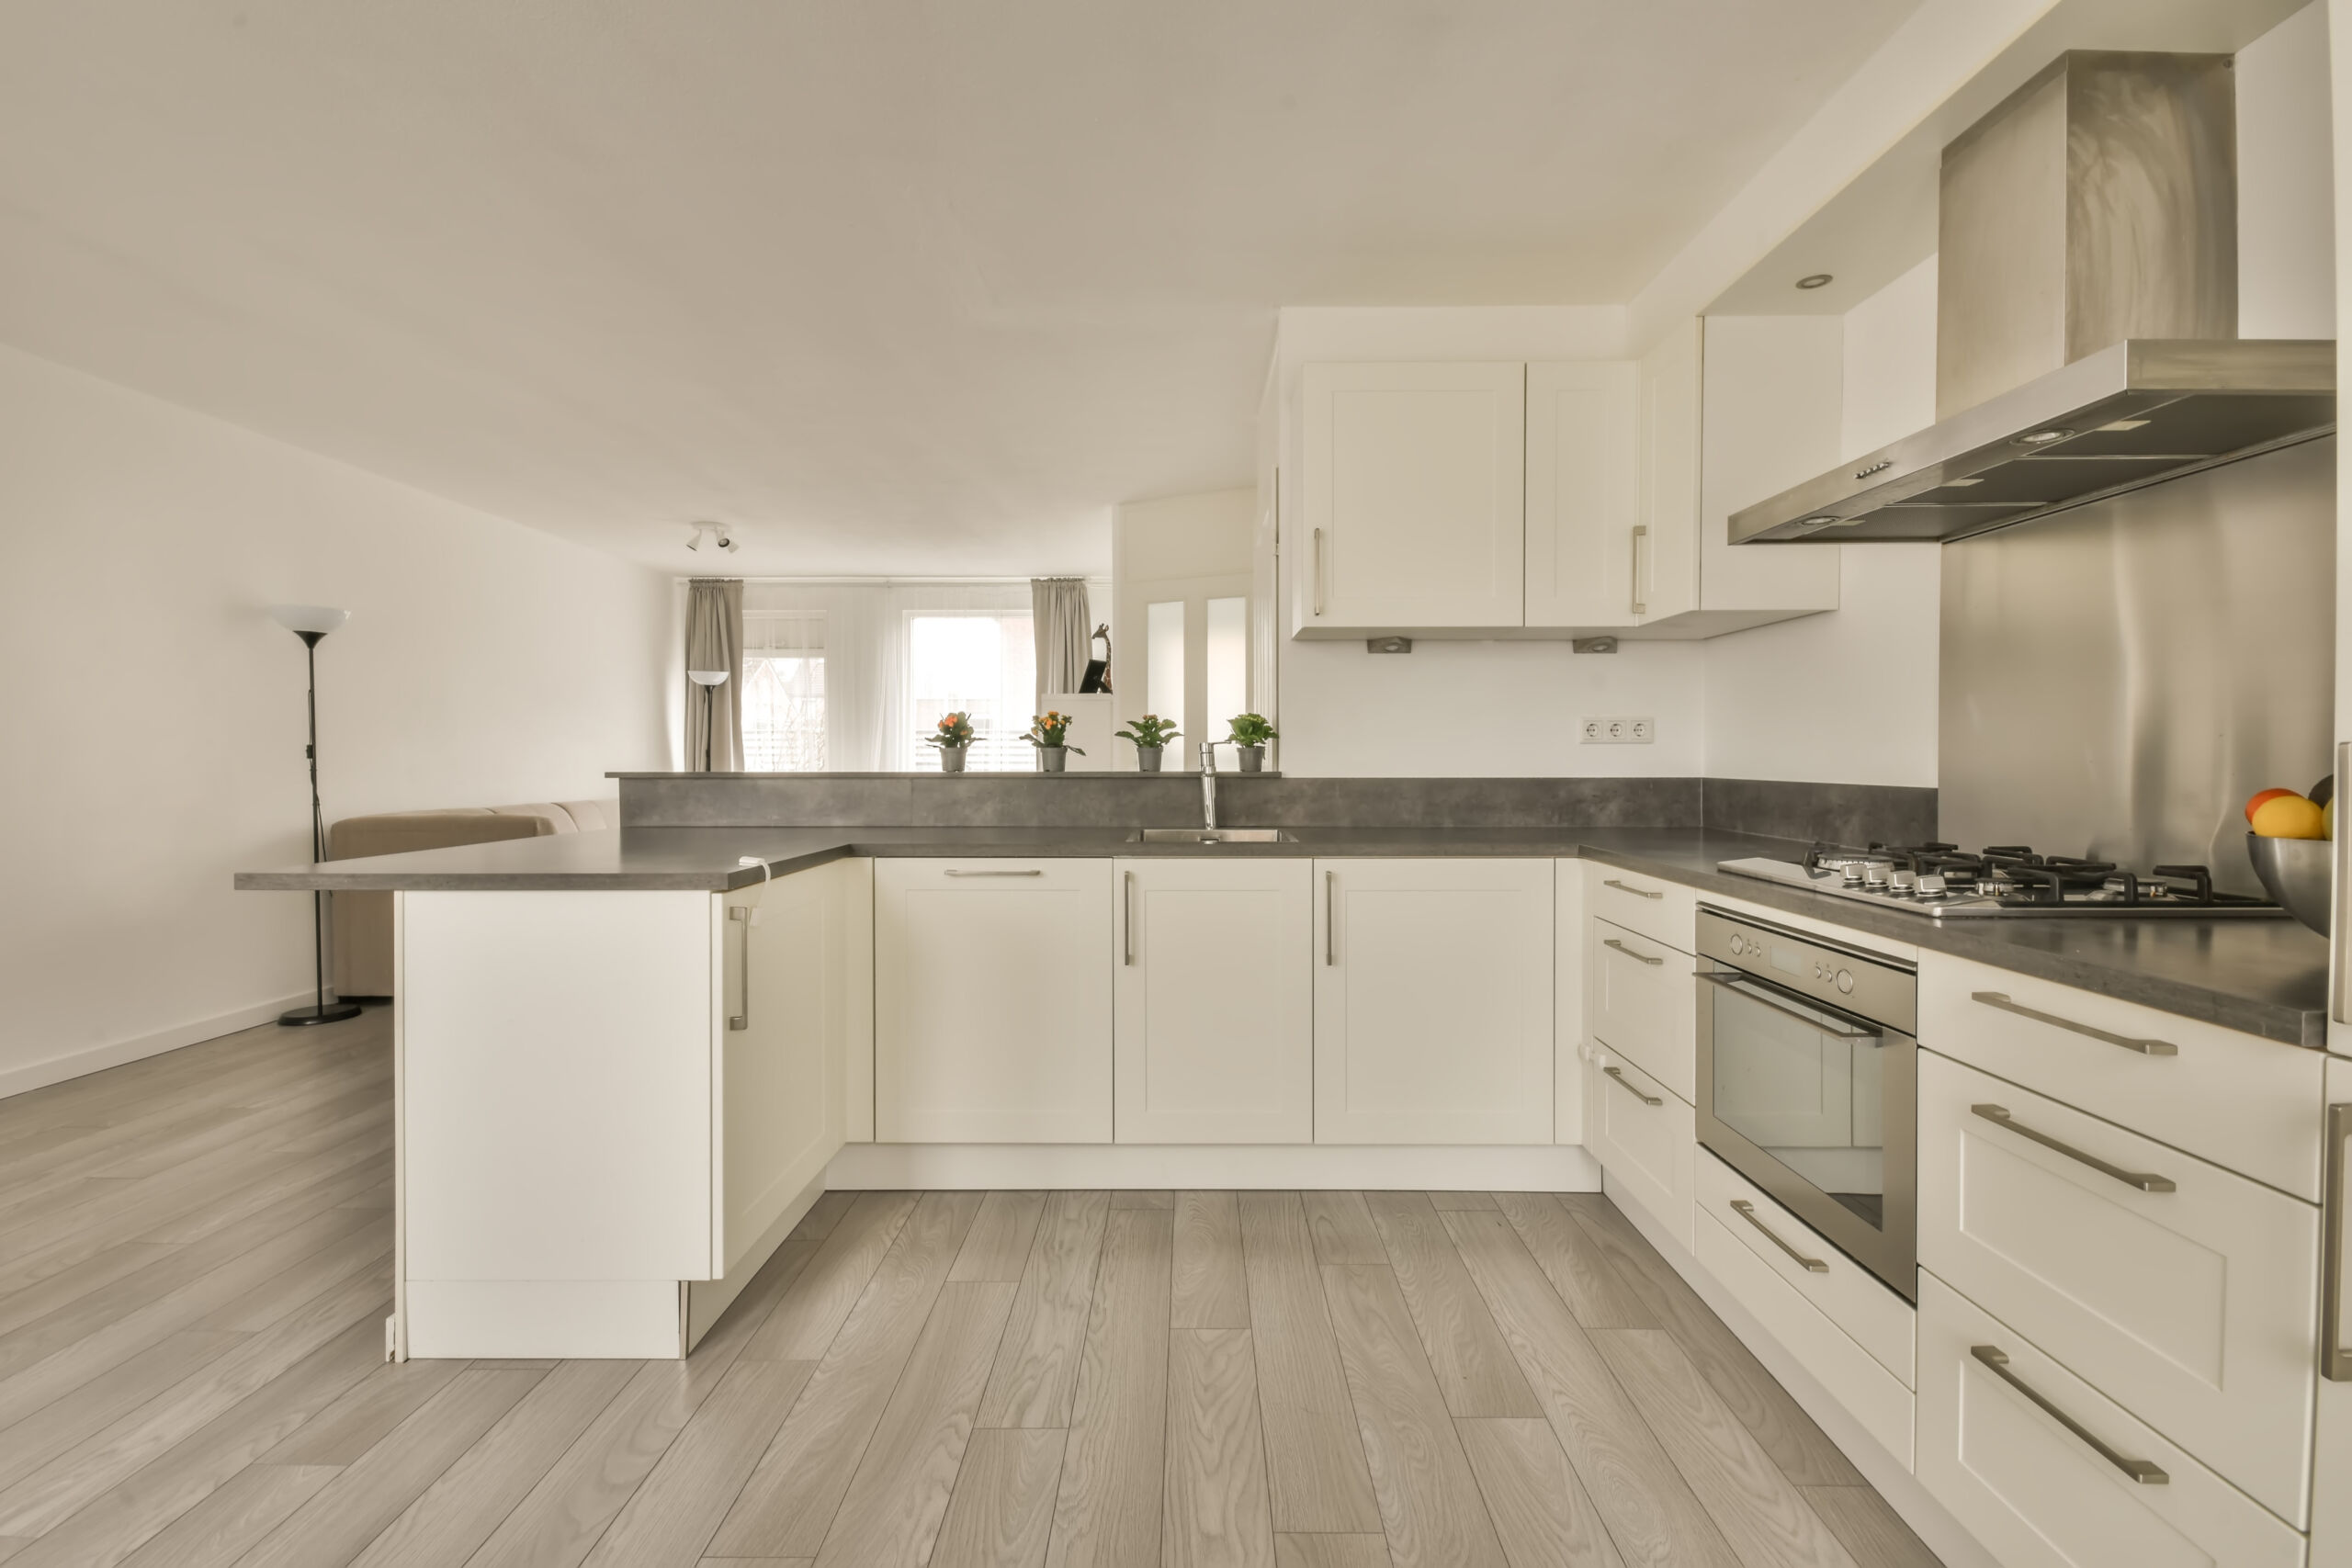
(894, 286)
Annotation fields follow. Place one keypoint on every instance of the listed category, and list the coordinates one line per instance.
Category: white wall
(154, 718)
(2286, 182)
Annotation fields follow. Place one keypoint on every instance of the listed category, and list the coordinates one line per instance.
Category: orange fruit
(2289, 817)
(2259, 798)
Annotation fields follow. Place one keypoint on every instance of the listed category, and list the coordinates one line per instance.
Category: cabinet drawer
(1644, 1003)
(1866, 1390)
(2040, 1495)
(1644, 1135)
(2250, 1104)
(1843, 1290)
(2190, 1305)
(1661, 911)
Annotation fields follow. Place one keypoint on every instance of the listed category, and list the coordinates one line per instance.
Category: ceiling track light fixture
(714, 536)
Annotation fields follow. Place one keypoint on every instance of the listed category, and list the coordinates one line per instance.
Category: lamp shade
(706, 677)
(312, 620)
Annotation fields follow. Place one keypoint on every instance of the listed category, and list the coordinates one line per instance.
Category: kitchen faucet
(1208, 786)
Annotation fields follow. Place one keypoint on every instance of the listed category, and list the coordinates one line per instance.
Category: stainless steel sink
(1212, 836)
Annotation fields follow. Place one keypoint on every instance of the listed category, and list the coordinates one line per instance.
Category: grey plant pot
(1147, 757)
(951, 757)
(1253, 759)
(1052, 759)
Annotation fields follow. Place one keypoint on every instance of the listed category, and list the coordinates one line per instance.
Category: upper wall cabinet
(1414, 496)
(1585, 536)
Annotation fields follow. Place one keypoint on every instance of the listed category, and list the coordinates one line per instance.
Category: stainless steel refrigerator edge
(2118, 679)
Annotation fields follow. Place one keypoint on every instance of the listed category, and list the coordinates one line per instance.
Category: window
(1228, 664)
(784, 693)
(983, 664)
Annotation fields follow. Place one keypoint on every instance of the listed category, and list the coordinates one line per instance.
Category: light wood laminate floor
(195, 1267)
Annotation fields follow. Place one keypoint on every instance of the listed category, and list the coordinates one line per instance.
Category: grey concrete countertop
(2262, 976)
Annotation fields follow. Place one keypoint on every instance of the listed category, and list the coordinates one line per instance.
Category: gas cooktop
(1942, 882)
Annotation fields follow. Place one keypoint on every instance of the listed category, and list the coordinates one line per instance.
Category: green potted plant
(953, 738)
(1151, 735)
(1049, 733)
(1250, 732)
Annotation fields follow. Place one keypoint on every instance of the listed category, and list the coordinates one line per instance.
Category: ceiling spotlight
(717, 535)
(1815, 280)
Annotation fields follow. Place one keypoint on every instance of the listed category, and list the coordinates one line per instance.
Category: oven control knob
(1846, 981)
(1739, 944)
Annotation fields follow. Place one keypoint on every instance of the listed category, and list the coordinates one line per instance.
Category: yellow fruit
(2289, 817)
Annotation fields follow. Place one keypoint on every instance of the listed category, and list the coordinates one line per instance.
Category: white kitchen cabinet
(992, 1000)
(1645, 1137)
(1434, 1001)
(2332, 1503)
(1642, 1002)
(1587, 541)
(1413, 497)
(1214, 1001)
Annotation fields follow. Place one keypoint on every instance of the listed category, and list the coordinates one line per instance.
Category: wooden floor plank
(1210, 1288)
(1036, 1364)
(1315, 1463)
(1002, 1513)
(1217, 1512)
(222, 1528)
(1764, 1517)
(1450, 1203)
(366, 1413)
(1429, 1505)
(671, 1518)
(1540, 1508)
(1135, 1200)
(1800, 1448)
(1107, 1511)
(788, 1503)
(802, 1326)
(1871, 1531)
(1326, 1550)
(1651, 1514)
(49, 1292)
(823, 1215)
(1578, 1268)
(891, 1515)
(50, 1431)
(1341, 1227)
(998, 1247)
(1476, 1370)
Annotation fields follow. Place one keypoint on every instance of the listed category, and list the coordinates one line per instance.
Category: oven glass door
(1816, 1107)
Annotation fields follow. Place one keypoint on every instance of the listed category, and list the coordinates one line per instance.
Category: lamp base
(302, 1018)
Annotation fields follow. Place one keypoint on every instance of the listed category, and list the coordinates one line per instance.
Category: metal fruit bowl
(2295, 873)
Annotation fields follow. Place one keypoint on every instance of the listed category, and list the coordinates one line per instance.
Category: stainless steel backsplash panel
(2118, 679)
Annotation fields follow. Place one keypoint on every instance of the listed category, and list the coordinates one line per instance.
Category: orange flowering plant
(1052, 728)
(955, 729)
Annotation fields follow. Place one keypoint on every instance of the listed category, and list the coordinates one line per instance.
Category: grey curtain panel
(1058, 607)
(715, 641)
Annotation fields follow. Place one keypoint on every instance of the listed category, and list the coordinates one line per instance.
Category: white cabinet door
(992, 1001)
(1434, 1001)
(2332, 1503)
(1642, 1002)
(1215, 1002)
(1664, 567)
(1415, 497)
(1585, 532)
(1644, 1136)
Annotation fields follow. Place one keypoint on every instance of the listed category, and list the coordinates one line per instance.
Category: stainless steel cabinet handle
(741, 914)
(1731, 983)
(1999, 1116)
(2140, 1470)
(1032, 872)
(1330, 918)
(1629, 887)
(2335, 1357)
(1639, 957)
(1631, 1088)
(1318, 571)
(1640, 531)
(2145, 1047)
(1746, 1211)
(1127, 914)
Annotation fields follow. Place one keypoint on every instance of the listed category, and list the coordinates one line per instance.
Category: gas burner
(1938, 879)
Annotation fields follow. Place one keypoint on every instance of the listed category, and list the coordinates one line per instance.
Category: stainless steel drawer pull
(1746, 1211)
(2145, 1047)
(2335, 1357)
(1318, 571)
(1330, 918)
(1629, 887)
(1731, 983)
(1999, 1116)
(1127, 913)
(1997, 1360)
(741, 914)
(1631, 1088)
(1033, 873)
(1638, 957)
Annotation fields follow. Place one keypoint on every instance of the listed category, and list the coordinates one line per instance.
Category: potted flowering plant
(953, 738)
(1151, 735)
(1049, 733)
(1250, 732)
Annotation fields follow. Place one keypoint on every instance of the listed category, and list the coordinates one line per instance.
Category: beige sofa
(363, 921)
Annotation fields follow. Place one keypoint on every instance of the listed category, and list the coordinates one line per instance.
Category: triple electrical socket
(1619, 732)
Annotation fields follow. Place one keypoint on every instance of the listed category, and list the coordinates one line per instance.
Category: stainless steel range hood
(2086, 316)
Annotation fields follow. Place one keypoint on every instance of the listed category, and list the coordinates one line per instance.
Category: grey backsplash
(1848, 813)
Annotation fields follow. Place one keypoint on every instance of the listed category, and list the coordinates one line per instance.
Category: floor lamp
(311, 622)
(709, 680)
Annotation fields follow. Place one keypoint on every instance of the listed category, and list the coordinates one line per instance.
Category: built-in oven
(1808, 1083)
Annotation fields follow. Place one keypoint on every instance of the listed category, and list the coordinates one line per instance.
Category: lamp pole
(709, 680)
(311, 623)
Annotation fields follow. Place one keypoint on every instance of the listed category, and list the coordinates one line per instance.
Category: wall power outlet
(1618, 731)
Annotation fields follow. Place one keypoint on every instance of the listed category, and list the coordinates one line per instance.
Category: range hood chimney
(2086, 315)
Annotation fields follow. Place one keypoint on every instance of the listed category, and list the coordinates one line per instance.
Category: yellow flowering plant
(1052, 728)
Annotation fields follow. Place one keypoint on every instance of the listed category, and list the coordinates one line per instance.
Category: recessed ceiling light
(2040, 437)
(1815, 280)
